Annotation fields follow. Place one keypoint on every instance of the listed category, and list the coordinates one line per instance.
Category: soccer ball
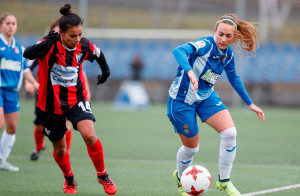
(195, 180)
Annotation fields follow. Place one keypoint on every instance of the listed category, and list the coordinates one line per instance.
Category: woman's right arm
(181, 54)
(35, 51)
(41, 48)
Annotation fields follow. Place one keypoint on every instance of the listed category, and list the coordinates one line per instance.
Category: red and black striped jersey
(62, 83)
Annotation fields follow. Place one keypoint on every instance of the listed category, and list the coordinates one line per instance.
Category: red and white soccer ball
(195, 180)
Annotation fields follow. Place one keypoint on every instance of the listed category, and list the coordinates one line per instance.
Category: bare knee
(90, 139)
(60, 147)
(11, 129)
(60, 151)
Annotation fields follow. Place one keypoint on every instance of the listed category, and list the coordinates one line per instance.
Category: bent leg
(93, 144)
(223, 124)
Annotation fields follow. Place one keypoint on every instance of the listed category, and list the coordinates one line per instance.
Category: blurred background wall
(151, 29)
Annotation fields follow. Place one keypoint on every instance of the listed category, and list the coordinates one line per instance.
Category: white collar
(68, 48)
(13, 43)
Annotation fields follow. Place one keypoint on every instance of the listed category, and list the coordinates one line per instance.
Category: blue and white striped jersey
(12, 65)
(208, 62)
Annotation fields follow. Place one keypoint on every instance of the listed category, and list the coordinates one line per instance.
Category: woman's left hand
(36, 85)
(258, 111)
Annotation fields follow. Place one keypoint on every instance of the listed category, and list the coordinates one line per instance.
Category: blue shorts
(184, 116)
(9, 101)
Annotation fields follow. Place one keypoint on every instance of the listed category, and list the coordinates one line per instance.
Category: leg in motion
(62, 158)
(223, 124)
(95, 151)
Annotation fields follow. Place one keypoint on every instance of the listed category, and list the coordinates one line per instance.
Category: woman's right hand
(29, 88)
(193, 79)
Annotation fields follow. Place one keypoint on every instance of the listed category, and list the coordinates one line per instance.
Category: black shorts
(55, 124)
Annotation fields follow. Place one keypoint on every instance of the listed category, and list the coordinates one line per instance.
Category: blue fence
(273, 63)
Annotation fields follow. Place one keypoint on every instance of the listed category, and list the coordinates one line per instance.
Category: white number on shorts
(86, 107)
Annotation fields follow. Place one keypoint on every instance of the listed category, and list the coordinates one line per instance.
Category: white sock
(6, 144)
(185, 158)
(227, 152)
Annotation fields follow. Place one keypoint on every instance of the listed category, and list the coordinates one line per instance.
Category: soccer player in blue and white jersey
(12, 68)
(192, 93)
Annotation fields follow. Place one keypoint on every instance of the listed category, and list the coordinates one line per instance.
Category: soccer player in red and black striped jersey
(62, 93)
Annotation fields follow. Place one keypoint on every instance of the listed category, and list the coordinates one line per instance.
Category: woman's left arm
(239, 87)
(104, 68)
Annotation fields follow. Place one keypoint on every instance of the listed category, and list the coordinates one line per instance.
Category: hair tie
(226, 19)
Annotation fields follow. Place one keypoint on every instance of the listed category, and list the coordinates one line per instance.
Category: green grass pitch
(140, 150)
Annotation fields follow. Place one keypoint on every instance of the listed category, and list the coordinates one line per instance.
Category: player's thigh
(80, 111)
(213, 112)
(220, 121)
(82, 120)
(183, 117)
(68, 125)
(86, 129)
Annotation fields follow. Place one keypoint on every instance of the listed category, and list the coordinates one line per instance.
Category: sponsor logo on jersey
(65, 72)
(10, 65)
(64, 76)
(186, 129)
(210, 76)
(60, 80)
(216, 57)
(2, 48)
(17, 51)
